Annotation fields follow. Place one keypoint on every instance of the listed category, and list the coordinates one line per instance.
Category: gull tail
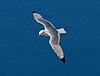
(61, 31)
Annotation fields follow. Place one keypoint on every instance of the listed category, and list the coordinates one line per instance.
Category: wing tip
(34, 12)
(63, 59)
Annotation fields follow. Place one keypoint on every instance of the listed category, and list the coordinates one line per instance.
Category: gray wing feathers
(58, 50)
(42, 21)
(54, 42)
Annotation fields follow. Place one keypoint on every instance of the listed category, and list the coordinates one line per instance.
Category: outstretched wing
(42, 21)
(54, 42)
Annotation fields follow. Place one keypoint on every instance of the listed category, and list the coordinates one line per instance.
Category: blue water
(23, 53)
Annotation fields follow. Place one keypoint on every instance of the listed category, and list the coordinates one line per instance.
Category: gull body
(50, 30)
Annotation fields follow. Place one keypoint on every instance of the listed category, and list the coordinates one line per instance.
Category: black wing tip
(34, 12)
(63, 59)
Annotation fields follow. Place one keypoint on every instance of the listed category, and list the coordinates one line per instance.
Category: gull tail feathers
(61, 31)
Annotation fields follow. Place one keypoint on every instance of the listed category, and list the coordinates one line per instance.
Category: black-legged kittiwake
(54, 34)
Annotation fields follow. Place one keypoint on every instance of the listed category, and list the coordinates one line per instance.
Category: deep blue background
(23, 53)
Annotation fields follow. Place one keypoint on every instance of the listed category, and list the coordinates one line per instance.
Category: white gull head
(43, 33)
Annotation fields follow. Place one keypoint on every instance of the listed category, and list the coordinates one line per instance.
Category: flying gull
(54, 34)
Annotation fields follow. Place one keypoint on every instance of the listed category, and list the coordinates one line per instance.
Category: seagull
(50, 30)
